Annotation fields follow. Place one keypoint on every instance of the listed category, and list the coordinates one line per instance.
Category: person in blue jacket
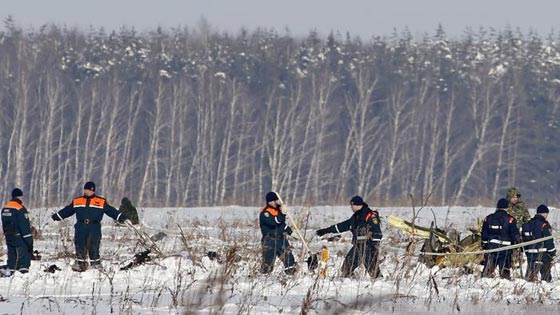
(499, 230)
(89, 210)
(274, 236)
(366, 236)
(17, 231)
(541, 255)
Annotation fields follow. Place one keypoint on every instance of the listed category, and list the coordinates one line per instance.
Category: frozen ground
(185, 280)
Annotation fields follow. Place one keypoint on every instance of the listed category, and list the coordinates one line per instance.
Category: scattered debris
(138, 259)
(52, 269)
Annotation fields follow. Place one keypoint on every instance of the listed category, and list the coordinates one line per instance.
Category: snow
(187, 280)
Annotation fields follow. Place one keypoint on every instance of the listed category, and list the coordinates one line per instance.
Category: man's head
(357, 203)
(543, 210)
(17, 193)
(272, 198)
(502, 204)
(513, 195)
(89, 189)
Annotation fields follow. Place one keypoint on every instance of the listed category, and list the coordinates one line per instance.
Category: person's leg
(489, 265)
(94, 241)
(268, 255)
(531, 274)
(80, 242)
(371, 260)
(287, 257)
(504, 261)
(351, 261)
(12, 259)
(546, 268)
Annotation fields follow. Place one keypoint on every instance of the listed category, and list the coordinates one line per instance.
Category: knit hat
(357, 201)
(542, 209)
(271, 196)
(502, 204)
(17, 193)
(90, 186)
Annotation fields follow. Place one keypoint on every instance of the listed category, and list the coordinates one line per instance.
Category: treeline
(189, 117)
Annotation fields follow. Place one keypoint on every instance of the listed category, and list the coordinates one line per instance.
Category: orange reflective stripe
(79, 202)
(543, 225)
(13, 205)
(511, 219)
(97, 202)
(368, 216)
(270, 210)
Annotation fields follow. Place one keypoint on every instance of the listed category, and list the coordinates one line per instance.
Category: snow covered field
(186, 280)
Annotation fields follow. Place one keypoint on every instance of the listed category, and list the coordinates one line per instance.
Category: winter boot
(5, 273)
(79, 267)
(97, 265)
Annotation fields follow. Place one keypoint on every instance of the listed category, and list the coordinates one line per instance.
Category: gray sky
(359, 17)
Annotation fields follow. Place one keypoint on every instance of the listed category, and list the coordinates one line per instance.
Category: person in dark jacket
(274, 236)
(366, 236)
(17, 231)
(130, 210)
(499, 230)
(541, 255)
(89, 210)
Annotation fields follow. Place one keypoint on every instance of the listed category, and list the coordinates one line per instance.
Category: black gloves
(321, 232)
(289, 230)
(55, 217)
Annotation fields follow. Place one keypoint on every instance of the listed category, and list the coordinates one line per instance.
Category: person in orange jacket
(89, 210)
(17, 231)
(274, 231)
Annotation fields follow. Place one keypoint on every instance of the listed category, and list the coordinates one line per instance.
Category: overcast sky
(363, 18)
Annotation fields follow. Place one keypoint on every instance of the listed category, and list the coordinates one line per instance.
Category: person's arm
(549, 244)
(64, 213)
(114, 213)
(337, 228)
(375, 227)
(484, 234)
(24, 228)
(513, 230)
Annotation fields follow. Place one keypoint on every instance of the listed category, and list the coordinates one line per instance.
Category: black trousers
(365, 253)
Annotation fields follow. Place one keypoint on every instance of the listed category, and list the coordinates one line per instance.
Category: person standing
(274, 240)
(17, 231)
(499, 230)
(130, 210)
(517, 208)
(89, 210)
(366, 236)
(540, 256)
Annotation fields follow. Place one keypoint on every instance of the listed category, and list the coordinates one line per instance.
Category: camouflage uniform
(519, 209)
(128, 208)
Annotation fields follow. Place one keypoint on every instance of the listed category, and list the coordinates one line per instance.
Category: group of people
(89, 210)
(510, 224)
(364, 225)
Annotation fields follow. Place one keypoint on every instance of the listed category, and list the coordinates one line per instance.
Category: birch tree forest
(193, 117)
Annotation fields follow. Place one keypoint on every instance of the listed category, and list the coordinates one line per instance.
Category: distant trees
(192, 117)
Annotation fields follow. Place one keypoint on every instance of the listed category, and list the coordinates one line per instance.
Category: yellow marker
(324, 258)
